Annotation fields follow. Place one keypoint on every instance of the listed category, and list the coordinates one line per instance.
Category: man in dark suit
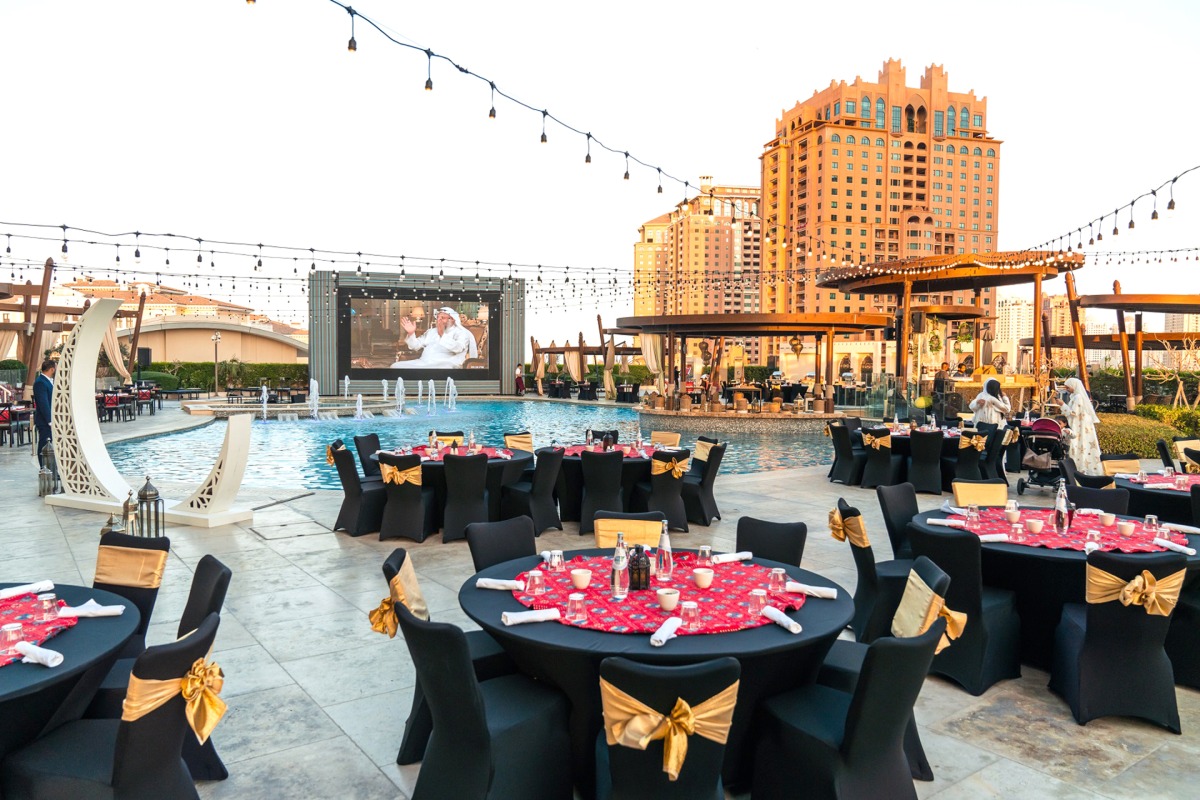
(43, 395)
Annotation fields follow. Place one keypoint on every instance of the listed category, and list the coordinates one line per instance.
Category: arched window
(977, 152)
(950, 147)
(991, 152)
(845, 367)
(865, 109)
(921, 146)
(879, 142)
(950, 121)
(835, 138)
(964, 121)
(850, 138)
(910, 119)
(908, 145)
(866, 367)
(879, 111)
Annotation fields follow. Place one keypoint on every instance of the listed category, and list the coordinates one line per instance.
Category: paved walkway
(317, 701)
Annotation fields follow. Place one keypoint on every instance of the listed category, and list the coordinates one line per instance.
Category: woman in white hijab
(990, 405)
(1084, 446)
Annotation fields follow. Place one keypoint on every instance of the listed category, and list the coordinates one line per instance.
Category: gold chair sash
(630, 723)
(674, 466)
(404, 589)
(852, 528)
(919, 608)
(1185, 444)
(701, 450)
(1157, 596)
(448, 441)
(520, 441)
(645, 532)
(1192, 468)
(130, 566)
(1126, 465)
(978, 442)
(399, 476)
(825, 430)
(199, 687)
(664, 437)
(980, 494)
(329, 454)
(1011, 435)
(877, 441)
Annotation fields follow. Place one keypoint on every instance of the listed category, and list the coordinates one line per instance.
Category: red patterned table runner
(25, 609)
(1159, 482)
(992, 520)
(490, 452)
(724, 606)
(576, 449)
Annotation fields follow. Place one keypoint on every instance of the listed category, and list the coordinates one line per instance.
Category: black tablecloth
(570, 484)
(1168, 504)
(35, 700)
(1044, 580)
(772, 659)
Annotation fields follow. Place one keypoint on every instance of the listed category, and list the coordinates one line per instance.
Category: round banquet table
(1171, 505)
(567, 657)
(500, 472)
(902, 443)
(35, 700)
(1043, 580)
(570, 482)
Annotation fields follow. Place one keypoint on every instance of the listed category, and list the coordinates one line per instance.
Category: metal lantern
(151, 511)
(51, 464)
(113, 525)
(45, 482)
(129, 515)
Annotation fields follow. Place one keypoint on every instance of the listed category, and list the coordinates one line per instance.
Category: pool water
(293, 453)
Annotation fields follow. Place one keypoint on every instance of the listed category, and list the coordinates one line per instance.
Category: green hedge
(12, 363)
(1129, 433)
(1185, 420)
(199, 374)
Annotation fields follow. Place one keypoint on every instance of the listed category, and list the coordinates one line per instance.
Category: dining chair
(449, 438)
(899, 505)
(964, 465)
(925, 461)
(367, 445)
(838, 744)
(466, 494)
(1164, 453)
(638, 527)
(488, 658)
(601, 485)
(878, 582)
(1191, 461)
(883, 466)
(1183, 638)
(492, 543)
(110, 758)
(992, 492)
(1183, 443)
(598, 434)
(625, 768)
(362, 502)
(1113, 501)
(132, 566)
(697, 490)
(533, 494)
(700, 457)
(210, 583)
(665, 438)
(664, 490)
(519, 440)
(774, 541)
(409, 510)
(924, 596)
(1109, 656)
(849, 461)
(989, 648)
(1119, 463)
(512, 727)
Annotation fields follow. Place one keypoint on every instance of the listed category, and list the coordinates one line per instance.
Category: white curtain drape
(652, 352)
(574, 367)
(49, 338)
(541, 374)
(113, 350)
(610, 386)
(7, 338)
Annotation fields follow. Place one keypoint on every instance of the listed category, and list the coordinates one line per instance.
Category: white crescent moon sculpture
(89, 477)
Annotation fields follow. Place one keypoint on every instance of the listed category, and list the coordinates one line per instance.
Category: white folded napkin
(521, 617)
(1126, 475)
(994, 537)
(729, 558)
(28, 588)
(545, 554)
(1180, 528)
(947, 523)
(497, 583)
(91, 609)
(1091, 547)
(39, 655)
(505, 455)
(823, 592)
(665, 632)
(949, 509)
(1089, 512)
(1178, 548)
(425, 458)
(781, 619)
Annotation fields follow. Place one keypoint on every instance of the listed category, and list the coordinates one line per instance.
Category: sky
(253, 123)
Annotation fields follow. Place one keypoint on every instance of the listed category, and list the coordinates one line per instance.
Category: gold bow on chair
(329, 454)
(828, 435)
(1011, 435)
(1192, 469)
(199, 687)
(130, 566)
(877, 441)
(853, 528)
(919, 608)
(978, 442)
(399, 476)
(405, 590)
(1156, 596)
(675, 467)
(631, 723)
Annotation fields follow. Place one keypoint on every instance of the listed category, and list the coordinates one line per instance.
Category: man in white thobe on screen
(445, 346)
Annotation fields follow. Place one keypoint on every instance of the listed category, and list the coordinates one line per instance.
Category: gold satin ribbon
(400, 476)
(853, 528)
(1113, 466)
(1192, 468)
(130, 566)
(956, 622)
(978, 442)
(1011, 435)
(877, 441)
(919, 608)
(701, 450)
(674, 466)
(520, 441)
(329, 454)
(645, 532)
(825, 430)
(448, 441)
(405, 590)
(199, 687)
(1155, 595)
(664, 437)
(980, 494)
(630, 723)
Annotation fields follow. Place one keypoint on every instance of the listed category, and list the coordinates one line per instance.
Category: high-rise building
(1181, 323)
(1014, 319)
(868, 172)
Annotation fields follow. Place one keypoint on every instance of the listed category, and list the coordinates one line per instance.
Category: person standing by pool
(43, 396)
(520, 379)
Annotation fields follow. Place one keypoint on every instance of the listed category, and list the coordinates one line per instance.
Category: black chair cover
(697, 492)
(964, 466)
(444, 435)
(879, 587)
(630, 774)
(882, 466)
(496, 542)
(500, 738)
(143, 598)
(408, 513)
(362, 505)
(925, 461)
(1114, 501)
(601, 485)
(776, 541)
(534, 498)
(599, 434)
(1109, 658)
(899, 505)
(367, 446)
(992, 464)
(698, 466)
(1183, 638)
(664, 492)
(989, 648)
(849, 461)
(466, 494)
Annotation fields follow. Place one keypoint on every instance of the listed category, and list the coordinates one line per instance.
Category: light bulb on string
(626, 165)
(492, 112)
(1171, 204)
(543, 126)
(429, 71)
(1154, 213)
(588, 158)
(137, 249)
(353, 45)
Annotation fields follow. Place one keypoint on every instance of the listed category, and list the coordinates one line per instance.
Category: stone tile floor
(317, 709)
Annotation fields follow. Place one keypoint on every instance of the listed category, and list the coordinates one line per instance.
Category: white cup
(1125, 527)
(1012, 516)
(1034, 525)
(668, 599)
(580, 578)
(703, 577)
(1107, 519)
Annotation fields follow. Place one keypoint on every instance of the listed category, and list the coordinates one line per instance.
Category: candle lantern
(113, 525)
(51, 464)
(639, 568)
(151, 511)
(129, 515)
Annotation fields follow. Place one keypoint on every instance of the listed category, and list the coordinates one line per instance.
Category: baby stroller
(1043, 451)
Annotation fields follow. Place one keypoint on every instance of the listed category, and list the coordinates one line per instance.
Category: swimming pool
(293, 453)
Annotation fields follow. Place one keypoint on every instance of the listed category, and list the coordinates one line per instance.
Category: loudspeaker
(772, 362)
(918, 322)
(143, 359)
(889, 334)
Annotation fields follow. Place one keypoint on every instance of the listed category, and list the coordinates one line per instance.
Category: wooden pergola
(584, 349)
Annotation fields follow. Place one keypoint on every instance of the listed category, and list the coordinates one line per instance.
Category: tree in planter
(234, 372)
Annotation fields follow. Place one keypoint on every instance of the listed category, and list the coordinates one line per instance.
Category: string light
(627, 166)
(544, 126)
(588, 158)
(429, 71)
(353, 46)
(492, 112)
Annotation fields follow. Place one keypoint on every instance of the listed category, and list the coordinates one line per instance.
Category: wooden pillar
(35, 360)
(1077, 331)
(903, 325)
(137, 332)
(683, 361)
(1137, 355)
(977, 326)
(1037, 332)
(1124, 337)
(829, 372)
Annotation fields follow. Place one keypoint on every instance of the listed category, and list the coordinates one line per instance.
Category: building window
(837, 109)
(850, 138)
(835, 138)
(851, 109)
(939, 123)
(879, 115)
(963, 119)
(950, 118)
(977, 121)
(865, 108)
(896, 119)
(991, 154)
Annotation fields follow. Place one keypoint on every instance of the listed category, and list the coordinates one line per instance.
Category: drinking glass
(1141, 476)
(1092, 535)
(47, 607)
(1150, 526)
(576, 611)
(972, 517)
(778, 580)
(10, 634)
(1181, 482)
(1168, 472)
(535, 582)
(556, 561)
(1017, 534)
(1012, 505)
(704, 557)
(690, 614)
(758, 601)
